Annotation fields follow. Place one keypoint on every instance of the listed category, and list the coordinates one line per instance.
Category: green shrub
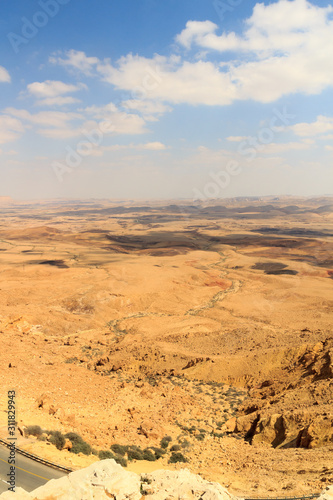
(79, 445)
(134, 454)
(73, 437)
(121, 460)
(200, 437)
(159, 452)
(119, 449)
(58, 440)
(82, 447)
(185, 443)
(105, 454)
(177, 457)
(134, 447)
(34, 430)
(165, 441)
(148, 455)
(175, 447)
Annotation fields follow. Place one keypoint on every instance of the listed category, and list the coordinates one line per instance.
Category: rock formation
(107, 479)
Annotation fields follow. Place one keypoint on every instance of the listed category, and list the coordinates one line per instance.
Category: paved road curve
(29, 474)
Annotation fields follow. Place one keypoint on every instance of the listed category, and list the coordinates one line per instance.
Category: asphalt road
(29, 474)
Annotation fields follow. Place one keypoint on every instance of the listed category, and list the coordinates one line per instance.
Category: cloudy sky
(166, 99)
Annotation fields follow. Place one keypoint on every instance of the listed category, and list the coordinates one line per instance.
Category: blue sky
(147, 99)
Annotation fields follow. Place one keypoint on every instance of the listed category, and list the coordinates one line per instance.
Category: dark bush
(79, 445)
(105, 454)
(175, 447)
(119, 449)
(34, 430)
(73, 437)
(58, 440)
(177, 457)
(121, 460)
(149, 455)
(159, 452)
(82, 447)
(165, 441)
(200, 437)
(135, 454)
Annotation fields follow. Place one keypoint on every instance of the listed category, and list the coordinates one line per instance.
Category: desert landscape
(172, 335)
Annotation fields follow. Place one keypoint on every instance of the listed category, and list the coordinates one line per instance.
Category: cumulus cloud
(65, 125)
(149, 146)
(322, 125)
(148, 108)
(277, 148)
(122, 122)
(52, 93)
(171, 79)
(10, 128)
(4, 75)
(236, 138)
(77, 60)
(284, 48)
(55, 124)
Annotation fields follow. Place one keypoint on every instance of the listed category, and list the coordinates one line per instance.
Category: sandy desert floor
(210, 323)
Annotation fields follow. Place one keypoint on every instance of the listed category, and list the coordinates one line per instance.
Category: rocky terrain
(207, 324)
(108, 480)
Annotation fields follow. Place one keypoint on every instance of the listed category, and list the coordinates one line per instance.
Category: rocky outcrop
(107, 479)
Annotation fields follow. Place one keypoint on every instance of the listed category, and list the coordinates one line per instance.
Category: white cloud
(285, 48)
(277, 148)
(195, 31)
(77, 60)
(328, 137)
(149, 146)
(237, 138)
(4, 75)
(48, 118)
(52, 88)
(52, 92)
(170, 79)
(146, 107)
(55, 124)
(322, 125)
(154, 146)
(57, 101)
(10, 128)
(121, 122)
(329, 147)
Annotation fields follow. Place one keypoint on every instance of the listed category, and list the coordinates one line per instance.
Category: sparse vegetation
(78, 444)
(165, 441)
(58, 439)
(149, 455)
(118, 449)
(177, 457)
(105, 454)
(134, 454)
(34, 430)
